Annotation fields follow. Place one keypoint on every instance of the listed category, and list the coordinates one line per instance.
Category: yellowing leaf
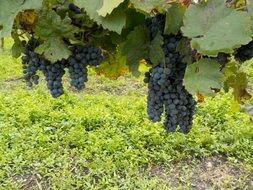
(237, 80)
(114, 67)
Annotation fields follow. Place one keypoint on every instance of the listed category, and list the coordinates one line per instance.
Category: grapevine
(188, 51)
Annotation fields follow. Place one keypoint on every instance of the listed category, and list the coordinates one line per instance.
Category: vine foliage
(210, 29)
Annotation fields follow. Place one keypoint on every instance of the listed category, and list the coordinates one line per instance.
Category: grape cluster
(166, 92)
(179, 108)
(33, 62)
(245, 52)
(81, 57)
(53, 74)
(30, 62)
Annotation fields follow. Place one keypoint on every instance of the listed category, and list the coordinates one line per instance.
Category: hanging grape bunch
(81, 57)
(77, 63)
(166, 92)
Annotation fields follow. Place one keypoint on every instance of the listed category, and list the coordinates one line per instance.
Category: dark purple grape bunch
(81, 57)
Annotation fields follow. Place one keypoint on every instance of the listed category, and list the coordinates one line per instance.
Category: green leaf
(54, 49)
(148, 5)
(230, 69)
(200, 77)
(113, 22)
(51, 25)
(134, 18)
(18, 47)
(237, 80)
(136, 48)
(185, 50)
(10, 9)
(174, 18)
(156, 53)
(216, 28)
(108, 6)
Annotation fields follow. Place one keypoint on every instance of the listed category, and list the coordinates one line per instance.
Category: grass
(101, 139)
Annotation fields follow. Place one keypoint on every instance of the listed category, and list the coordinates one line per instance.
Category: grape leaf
(134, 18)
(200, 77)
(51, 29)
(156, 53)
(114, 67)
(187, 54)
(108, 6)
(50, 25)
(113, 22)
(148, 5)
(53, 49)
(216, 28)
(136, 48)
(9, 10)
(237, 80)
(174, 18)
(230, 69)
(18, 47)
